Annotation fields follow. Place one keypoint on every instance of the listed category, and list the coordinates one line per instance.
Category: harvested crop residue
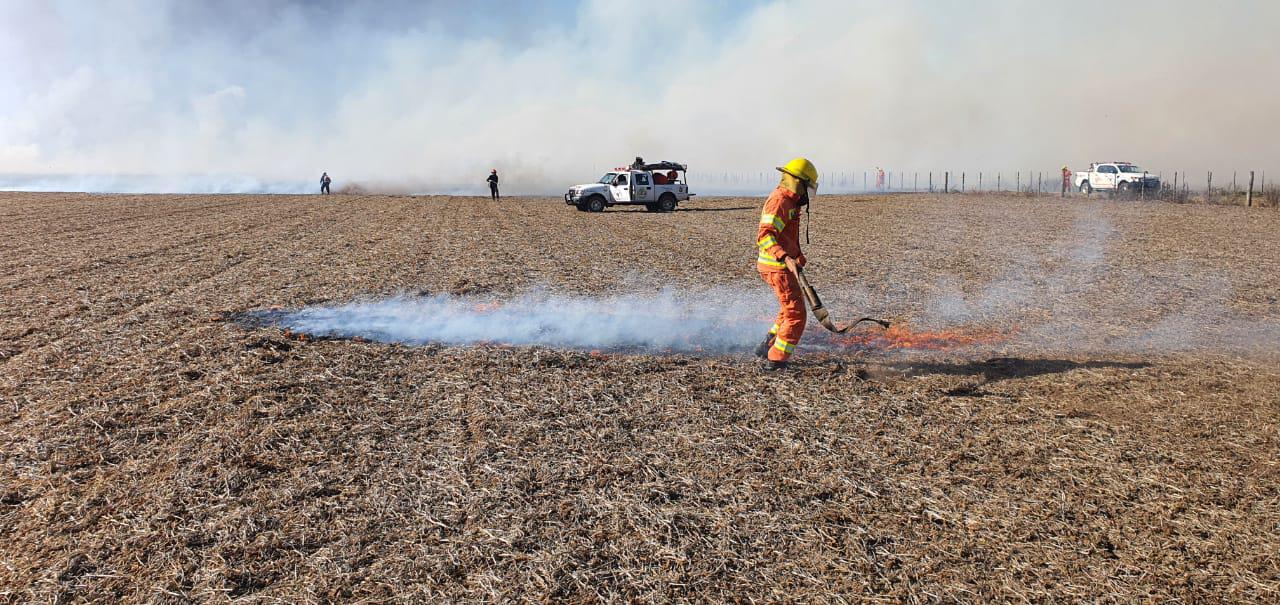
(1120, 443)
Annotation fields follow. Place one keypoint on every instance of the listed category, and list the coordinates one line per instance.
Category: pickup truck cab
(658, 187)
(1121, 177)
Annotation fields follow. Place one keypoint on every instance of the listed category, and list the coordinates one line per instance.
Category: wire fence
(1244, 187)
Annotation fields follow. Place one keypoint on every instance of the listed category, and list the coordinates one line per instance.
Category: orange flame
(901, 336)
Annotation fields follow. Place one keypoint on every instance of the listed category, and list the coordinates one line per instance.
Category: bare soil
(1120, 446)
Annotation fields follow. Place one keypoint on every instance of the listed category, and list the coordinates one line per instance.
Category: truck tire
(595, 203)
(1086, 188)
(581, 206)
(1124, 189)
(667, 202)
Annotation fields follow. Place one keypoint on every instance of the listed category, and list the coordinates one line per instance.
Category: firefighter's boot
(773, 366)
(762, 349)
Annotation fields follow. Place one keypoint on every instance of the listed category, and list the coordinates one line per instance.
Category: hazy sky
(435, 93)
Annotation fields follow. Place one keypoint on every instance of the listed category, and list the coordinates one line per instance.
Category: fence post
(998, 186)
(1040, 184)
(1208, 188)
(946, 181)
(915, 181)
(979, 189)
(1249, 200)
(962, 181)
(1175, 182)
(1233, 181)
(931, 182)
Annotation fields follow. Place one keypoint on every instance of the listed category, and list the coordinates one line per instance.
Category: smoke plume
(428, 96)
(712, 322)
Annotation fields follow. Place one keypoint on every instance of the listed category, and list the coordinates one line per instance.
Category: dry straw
(151, 451)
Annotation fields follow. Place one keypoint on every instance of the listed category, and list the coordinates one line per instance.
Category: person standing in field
(778, 239)
(324, 183)
(493, 184)
(1066, 179)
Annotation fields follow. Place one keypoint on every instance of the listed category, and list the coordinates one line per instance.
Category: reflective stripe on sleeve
(769, 219)
(784, 346)
(774, 329)
(767, 242)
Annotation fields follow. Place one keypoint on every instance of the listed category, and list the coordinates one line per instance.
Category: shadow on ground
(1004, 368)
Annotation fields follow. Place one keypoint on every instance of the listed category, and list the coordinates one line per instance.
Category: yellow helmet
(802, 169)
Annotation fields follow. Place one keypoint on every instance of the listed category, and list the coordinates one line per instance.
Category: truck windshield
(1130, 168)
(607, 179)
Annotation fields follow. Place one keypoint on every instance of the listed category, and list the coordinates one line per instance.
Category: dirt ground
(1121, 445)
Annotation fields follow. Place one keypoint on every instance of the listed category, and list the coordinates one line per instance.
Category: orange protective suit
(779, 237)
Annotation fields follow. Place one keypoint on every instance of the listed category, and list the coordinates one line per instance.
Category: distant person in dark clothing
(493, 184)
(324, 183)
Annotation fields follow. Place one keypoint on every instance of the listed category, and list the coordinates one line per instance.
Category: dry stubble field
(151, 451)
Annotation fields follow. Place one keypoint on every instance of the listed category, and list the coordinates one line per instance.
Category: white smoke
(1074, 296)
(712, 322)
(1050, 315)
(428, 96)
(151, 183)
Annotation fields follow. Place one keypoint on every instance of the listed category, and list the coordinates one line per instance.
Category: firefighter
(493, 184)
(778, 238)
(324, 183)
(1066, 179)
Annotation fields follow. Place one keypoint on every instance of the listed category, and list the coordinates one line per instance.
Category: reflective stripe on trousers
(791, 315)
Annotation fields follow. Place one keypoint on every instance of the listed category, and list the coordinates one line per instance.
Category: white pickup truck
(1121, 177)
(658, 187)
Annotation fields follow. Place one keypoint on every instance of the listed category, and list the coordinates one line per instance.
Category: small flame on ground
(902, 336)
